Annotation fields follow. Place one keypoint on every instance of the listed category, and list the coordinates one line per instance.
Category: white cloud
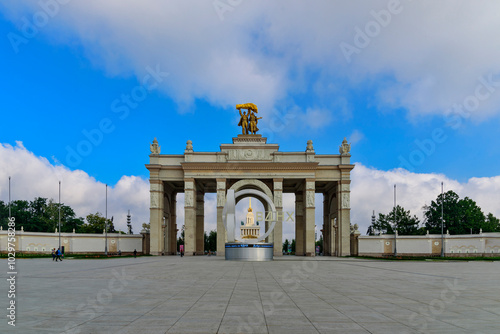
(317, 118)
(373, 189)
(433, 52)
(355, 137)
(33, 176)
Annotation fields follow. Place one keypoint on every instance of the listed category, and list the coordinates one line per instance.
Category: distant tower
(250, 230)
(250, 215)
(373, 222)
(129, 223)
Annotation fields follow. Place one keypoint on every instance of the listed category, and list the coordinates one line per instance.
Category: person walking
(58, 255)
(135, 253)
(181, 249)
(53, 254)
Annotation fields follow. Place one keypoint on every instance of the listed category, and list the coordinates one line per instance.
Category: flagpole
(59, 225)
(442, 219)
(395, 225)
(10, 216)
(106, 225)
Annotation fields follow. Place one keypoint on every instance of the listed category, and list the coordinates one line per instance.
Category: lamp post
(106, 225)
(9, 200)
(442, 220)
(59, 224)
(395, 225)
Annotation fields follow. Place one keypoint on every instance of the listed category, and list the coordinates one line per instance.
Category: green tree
(78, 224)
(461, 216)
(492, 224)
(4, 214)
(21, 212)
(211, 241)
(40, 220)
(180, 240)
(285, 245)
(69, 221)
(320, 244)
(293, 246)
(96, 222)
(405, 222)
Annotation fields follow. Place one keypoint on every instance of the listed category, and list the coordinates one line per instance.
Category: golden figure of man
(243, 122)
(253, 123)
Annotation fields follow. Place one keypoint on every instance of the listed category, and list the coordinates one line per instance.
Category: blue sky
(395, 93)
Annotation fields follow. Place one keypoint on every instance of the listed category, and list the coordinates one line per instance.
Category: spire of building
(250, 204)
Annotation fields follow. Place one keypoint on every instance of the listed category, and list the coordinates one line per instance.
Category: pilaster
(326, 225)
(278, 228)
(344, 217)
(309, 218)
(221, 230)
(189, 217)
(172, 250)
(200, 223)
(299, 223)
(156, 216)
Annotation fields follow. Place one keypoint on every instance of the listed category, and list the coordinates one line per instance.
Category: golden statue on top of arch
(248, 120)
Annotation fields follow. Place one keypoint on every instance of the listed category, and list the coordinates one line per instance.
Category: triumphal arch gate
(249, 162)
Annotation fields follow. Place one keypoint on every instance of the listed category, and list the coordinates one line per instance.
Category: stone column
(299, 223)
(221, 231)
(326, 224)
(172, 224)
(267, 209)
(156, 216)
(309, 218)
(344, 217)
(189, 217)
(165, 230)
(200, 223)
(278, 228)
(334, 221)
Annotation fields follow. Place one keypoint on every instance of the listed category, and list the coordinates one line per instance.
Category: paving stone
(288, 295)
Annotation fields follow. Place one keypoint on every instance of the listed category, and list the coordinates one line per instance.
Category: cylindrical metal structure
(249, 252)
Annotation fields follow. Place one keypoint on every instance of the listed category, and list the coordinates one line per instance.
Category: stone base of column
(221, 234)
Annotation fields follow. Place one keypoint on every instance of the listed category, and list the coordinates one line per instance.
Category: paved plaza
(289, 295)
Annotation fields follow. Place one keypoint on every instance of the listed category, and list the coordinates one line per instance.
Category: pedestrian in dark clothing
(53, 254)
(135, 253)
(58, 255)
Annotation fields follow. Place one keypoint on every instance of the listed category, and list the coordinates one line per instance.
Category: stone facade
(250, 163)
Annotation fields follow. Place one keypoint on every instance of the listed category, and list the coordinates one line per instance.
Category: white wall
(38, 242)
(484, 243)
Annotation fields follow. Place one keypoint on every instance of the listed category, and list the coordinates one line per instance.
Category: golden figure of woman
(253, 123)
